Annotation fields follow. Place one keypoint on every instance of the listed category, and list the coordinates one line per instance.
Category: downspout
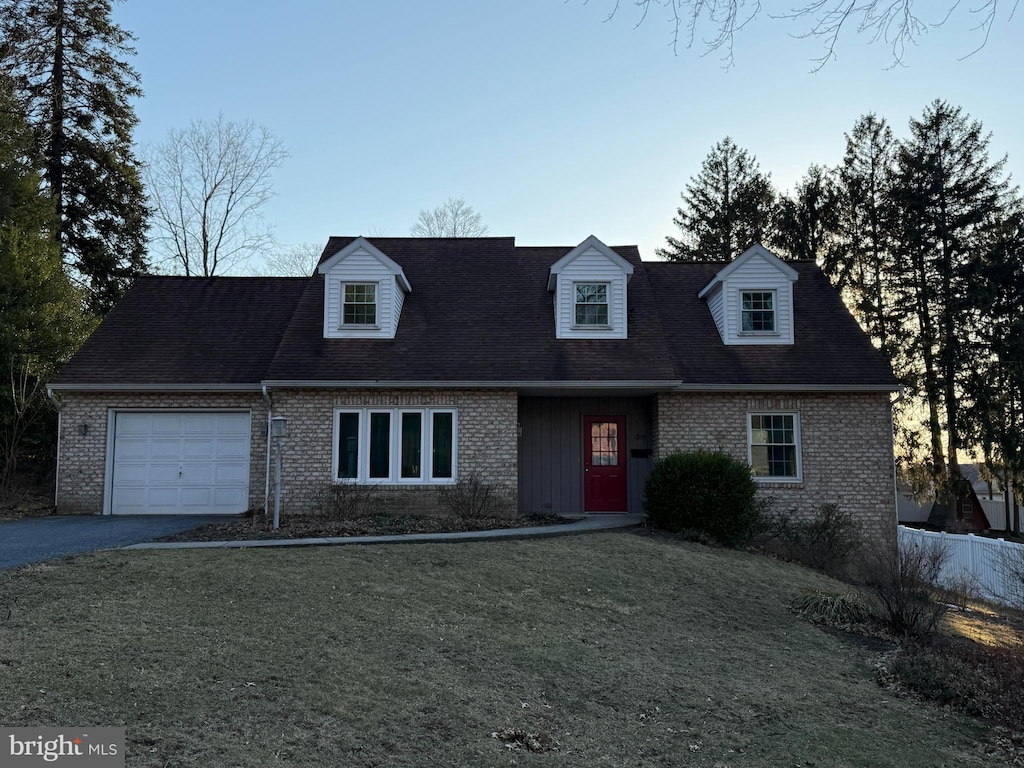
(56, 471)
(270, 413)
(895, 472)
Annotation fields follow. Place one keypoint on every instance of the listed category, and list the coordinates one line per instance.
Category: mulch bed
(313, 526)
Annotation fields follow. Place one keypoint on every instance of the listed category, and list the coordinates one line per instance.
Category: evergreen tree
(862, 261)
(950, 198)
(727, 207)
(807, 220)
(996, 383)
(40, 311)
(67, 59)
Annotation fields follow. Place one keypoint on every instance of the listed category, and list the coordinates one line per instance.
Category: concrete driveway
(41, 538)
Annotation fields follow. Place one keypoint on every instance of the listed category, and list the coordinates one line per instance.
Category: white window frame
(394, 447)
(775, 311)
(797, 444)
(376, 303)
(607, 303)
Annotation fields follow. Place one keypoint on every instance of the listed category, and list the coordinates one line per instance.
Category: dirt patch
(314, 527)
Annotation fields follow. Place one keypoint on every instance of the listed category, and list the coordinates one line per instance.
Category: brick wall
(486, 443)
(845, 447)
(83, 457)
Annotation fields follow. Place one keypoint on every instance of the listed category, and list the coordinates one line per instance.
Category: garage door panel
(197, 474)
(166, 424)
(231, 474)
(162, 448)
(180, 463)
(200, 448)
(232, 448)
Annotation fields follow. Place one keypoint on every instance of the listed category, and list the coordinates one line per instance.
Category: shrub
(706, 491)
(468, 499)
(903, 585)
(832, 609)
(344, 501)
(826, 542)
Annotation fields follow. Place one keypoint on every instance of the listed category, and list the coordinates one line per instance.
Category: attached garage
(178, 462)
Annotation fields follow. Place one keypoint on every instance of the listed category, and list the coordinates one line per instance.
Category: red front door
(604, 464)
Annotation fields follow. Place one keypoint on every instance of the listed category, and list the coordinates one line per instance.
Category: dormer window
(592, 304)
(360, 304)
(757, 312)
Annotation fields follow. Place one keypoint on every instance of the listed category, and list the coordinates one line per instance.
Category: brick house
(555, 374)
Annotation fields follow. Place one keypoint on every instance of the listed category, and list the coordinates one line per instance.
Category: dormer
(363, 293)
(751, 299)
(589, 288)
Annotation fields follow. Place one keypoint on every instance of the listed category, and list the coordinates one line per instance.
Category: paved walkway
(586, 525)
(33, 539)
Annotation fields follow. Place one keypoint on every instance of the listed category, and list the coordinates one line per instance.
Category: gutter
(900, 394)
(270, 412)
(60, 420)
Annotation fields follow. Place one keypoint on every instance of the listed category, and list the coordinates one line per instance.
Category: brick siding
(487, 437)
(845, 447)
(83, 457)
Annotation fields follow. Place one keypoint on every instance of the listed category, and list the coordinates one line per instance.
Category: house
(555, 374)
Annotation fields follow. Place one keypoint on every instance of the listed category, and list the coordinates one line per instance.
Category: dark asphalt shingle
(479, 311)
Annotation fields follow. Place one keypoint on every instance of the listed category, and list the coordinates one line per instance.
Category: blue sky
(551, 122)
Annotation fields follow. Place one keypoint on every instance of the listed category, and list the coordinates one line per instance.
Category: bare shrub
(345, 501)
(825, 542)
(1009, 562)
(470, 498)
(961, 588)
(904, 591)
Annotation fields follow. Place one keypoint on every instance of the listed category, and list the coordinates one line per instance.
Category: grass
(624, 649)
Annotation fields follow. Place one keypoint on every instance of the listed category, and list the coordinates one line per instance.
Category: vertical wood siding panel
(553, 444)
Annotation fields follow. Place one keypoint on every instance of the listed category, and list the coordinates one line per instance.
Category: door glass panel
(604, 444)
(442, 445)
(380, 444)
(412, 431)
(348, 446)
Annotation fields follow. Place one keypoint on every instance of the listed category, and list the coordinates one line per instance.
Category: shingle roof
(479, 312)
(188, 330)
(829, 346)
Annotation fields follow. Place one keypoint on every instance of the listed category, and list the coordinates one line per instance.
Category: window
(757, 312)
(395, 445)
(360, 306)
(591, 303)
(775, 446)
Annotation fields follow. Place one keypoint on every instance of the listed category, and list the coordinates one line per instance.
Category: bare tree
(295, 261)
(455, 218)
(896, 22)
(207, 184)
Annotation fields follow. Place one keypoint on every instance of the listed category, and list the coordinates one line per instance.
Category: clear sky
(551, 122)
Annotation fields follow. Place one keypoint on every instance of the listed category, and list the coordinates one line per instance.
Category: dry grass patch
(608, 649)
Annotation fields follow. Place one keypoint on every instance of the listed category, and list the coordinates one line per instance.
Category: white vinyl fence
(977, 557)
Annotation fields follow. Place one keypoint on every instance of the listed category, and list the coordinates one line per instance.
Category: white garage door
(180, 463)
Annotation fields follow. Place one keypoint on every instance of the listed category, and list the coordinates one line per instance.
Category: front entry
(604, 464)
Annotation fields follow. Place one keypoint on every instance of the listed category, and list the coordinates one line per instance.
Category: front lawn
(620, 648)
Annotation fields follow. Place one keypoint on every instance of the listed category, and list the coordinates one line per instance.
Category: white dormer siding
(602, 275)
(359, 265)
(767, 281)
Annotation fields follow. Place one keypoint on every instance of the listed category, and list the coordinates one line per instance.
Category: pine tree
(67, 60)
(807, 220)
(40, 311)
(862, 262)
(950, 198)
(727, 207)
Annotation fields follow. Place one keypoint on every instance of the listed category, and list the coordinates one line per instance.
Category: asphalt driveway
(41, 538)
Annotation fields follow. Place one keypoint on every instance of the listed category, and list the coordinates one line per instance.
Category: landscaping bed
(317, 526)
